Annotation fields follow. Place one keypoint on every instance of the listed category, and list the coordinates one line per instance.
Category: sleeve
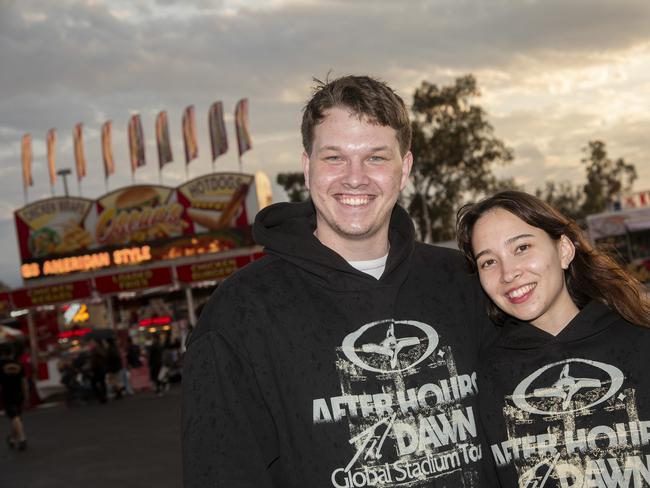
(228, 435)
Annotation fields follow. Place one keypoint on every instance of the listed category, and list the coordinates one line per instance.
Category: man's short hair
(365, 97)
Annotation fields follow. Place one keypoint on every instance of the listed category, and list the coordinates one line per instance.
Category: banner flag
(244, 142)
(217, 126)
(79, 156)
(50, 142)
(189, 135)
(107, 149)
(27, 161)
(162, 140)
(136, 142)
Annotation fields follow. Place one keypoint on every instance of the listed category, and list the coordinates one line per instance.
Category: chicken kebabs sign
(138, 223)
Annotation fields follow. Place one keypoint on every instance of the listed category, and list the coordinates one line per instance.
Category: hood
(286, 230)
(593, 319)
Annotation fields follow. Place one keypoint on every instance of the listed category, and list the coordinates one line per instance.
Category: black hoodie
(305, 372)
(571, 410)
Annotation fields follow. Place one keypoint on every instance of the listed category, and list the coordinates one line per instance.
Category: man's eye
(377, 159)
(332, 158)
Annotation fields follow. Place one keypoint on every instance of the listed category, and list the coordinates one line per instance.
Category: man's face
(354, 174)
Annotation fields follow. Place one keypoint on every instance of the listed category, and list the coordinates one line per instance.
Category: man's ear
(567, 251)
(407, 164)
(305, 168)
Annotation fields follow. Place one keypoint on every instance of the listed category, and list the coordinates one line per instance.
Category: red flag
(51, 154)
(162, 140)
(244, 142)
(218, 135)
(136, 142)
(107, 150)
(79, 156)
(27, 161)
(189, 135)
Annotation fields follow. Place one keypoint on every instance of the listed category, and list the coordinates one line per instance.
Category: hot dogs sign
(135, 215)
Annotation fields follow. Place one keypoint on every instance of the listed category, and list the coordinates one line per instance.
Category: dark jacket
(305, 372)
(570, 410)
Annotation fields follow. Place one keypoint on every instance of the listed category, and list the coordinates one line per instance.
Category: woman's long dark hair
(592, 275)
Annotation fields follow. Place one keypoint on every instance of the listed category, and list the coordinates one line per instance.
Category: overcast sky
(553, 75)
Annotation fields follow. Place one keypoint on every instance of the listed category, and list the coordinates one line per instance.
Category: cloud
(553, 75)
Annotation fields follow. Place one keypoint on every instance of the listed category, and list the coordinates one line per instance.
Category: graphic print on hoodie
(571, 410)
(331, 377)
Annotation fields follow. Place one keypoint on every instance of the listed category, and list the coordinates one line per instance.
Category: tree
(564, 197)
(606, 178)
(455, 152)
(294, 185)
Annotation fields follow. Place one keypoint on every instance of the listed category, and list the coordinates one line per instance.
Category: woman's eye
(522, 247)
(487, 263)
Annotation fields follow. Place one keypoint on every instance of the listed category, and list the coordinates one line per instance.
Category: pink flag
(136, 142)
(217, 126)
(51, 154)
(244, 142)
(189, 135)
(27, 161)
(79, 156)
(107, 149)
(162, 140)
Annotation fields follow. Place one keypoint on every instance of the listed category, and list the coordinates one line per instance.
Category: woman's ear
(567, 251)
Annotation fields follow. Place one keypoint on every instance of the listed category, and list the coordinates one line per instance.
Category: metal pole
(110, 316)
(33, 340)
(63, 173)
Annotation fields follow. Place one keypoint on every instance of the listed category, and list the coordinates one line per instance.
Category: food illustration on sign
(139, 214)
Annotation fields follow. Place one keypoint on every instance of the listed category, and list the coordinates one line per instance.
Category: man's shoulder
(252, 275)
(238, 300)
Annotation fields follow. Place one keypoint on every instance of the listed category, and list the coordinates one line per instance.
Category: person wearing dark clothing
(156, 363)
(13, 384)
(133, 359)
(565, 390)
(114, 368)
(98, 367)
(348, 355)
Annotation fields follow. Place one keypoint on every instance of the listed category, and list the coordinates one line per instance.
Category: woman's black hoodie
(571, 410)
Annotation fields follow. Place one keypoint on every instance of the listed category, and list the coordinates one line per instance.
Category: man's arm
(229, 436)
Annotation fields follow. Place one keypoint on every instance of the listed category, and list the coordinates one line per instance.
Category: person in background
(114, 367)
(98, 368)
(13, 383)
(155, 360)
(564, 388)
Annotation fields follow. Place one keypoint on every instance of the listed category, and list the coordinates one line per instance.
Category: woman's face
(522, 269)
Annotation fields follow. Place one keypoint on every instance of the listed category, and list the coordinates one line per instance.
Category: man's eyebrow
(508, 241)
(338, 148)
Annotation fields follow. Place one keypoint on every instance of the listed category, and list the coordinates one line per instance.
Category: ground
(130, 443)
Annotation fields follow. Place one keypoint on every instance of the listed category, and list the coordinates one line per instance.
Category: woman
(565, 390)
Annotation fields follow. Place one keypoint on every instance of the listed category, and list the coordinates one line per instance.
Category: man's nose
(356, 173)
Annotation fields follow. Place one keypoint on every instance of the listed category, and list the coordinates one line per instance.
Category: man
(14, 392)
(347, 356)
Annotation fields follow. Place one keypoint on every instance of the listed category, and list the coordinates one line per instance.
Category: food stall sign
(134, 280)
(211, 270)
(51, 294)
